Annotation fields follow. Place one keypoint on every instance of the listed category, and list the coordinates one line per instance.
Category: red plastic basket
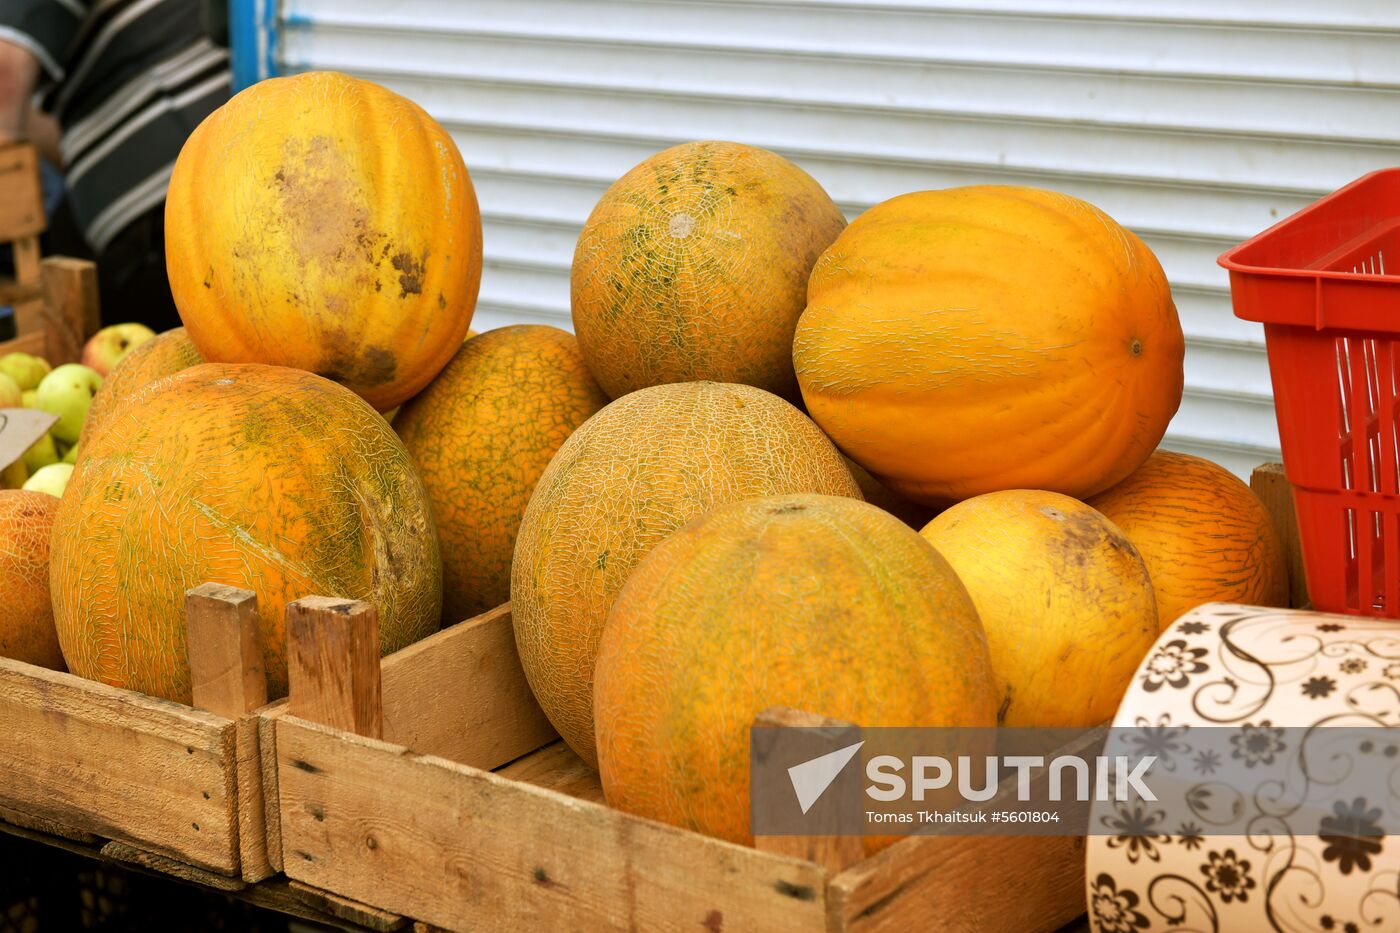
(1326, 285)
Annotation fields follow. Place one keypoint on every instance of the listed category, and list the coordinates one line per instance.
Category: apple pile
(66, 391)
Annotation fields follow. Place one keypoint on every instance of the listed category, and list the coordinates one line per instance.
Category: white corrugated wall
(1195, 122)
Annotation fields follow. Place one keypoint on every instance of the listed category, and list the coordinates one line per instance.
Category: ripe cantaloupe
(821, 604)
(1203, 534)
(26, 616)
(634, 473)
(481, 434)
(969, 340)
(261, 477)
(694, 265)
(163, 355)
(1064, 598)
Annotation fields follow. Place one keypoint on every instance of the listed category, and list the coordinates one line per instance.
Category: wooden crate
(167, 786)
(450, 801)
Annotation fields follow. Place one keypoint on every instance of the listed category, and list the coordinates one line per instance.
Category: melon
(694, 266)
(634, 473)
(323, 222)
(977, 339)
(261, 477)
(27, 630)
(817, 603)
(1202, 532)
(164, 355)
(1064, 597)
(481, 434)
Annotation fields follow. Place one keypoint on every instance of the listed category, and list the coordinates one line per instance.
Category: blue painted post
(253, 36)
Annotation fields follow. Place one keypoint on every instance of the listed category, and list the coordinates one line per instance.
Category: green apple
(105, 349)
(52, 479)
(71, 455)
(67, 392)
(44, 452)
(31, 399)
(11, 395)
(24, 368)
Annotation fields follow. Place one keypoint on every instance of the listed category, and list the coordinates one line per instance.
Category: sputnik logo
(811, 778)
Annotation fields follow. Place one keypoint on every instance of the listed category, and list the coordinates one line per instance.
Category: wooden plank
(119, 764)
(21, 196)
(48, 827)
(343, 908)
(134, 855)
(267, 760)
(250, 810)
(71, 311)
(1271, 485)
(986, 884)
(462, 694)
(29, 312)
(33, 344)
(333, 665)
(462, 848)
(558, 768)
(225, 649)
(835, 853)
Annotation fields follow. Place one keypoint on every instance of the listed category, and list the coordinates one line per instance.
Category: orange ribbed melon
(164, 355)
(481, 434)
(1064, 597)
(817, 603)
(26, 614)
(1202, 532)
(261, 477)
(976, 339)
(323, 222)
(694, 266)
(635, 472)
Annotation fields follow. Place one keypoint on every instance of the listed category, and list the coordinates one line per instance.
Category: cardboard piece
(21, 429)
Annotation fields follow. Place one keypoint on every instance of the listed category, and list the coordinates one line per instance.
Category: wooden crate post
(1271, 486)
(333, 665)
(835, 853)
(225, 650)
(71, 313)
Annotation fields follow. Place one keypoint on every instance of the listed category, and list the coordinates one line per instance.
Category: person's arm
(35, 36)
(19, 73)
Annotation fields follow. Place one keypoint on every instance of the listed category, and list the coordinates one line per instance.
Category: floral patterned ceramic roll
(1264, 724)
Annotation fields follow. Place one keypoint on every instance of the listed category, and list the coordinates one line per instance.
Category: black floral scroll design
(1352, 834)
(1258, 744)
(1224, 691)
(1114, 911)
(1178, 899)
(1173, 665)
(1273, 839)
(1161, 740)
(1137, 831)
(1228, 876)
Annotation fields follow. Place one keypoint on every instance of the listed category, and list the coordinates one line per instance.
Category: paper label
(21, 429)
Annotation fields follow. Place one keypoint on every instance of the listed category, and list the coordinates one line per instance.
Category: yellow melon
(817, 603)
(481, 434)
(262, 477)
(694, 265)
(634, 473)
(1064, 597)
(163, 355)
(27, 631)
(1202, 532)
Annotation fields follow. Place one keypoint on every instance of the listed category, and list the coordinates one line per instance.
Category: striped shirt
(128, 80)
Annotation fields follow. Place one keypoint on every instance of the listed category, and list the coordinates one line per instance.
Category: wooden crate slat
(556, 767)
(461, 694)
(1271, 486)
(466, 849)
(101, 760)
(21, 196)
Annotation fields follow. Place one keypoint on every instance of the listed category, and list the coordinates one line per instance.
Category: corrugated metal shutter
(1195, 122)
